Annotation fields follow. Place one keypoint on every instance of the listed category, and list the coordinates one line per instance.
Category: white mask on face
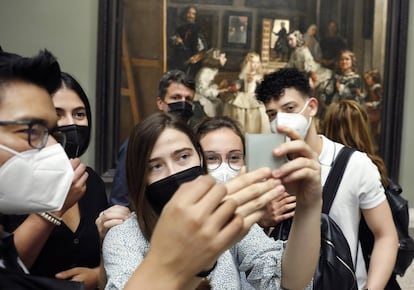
(223, 173)
(35, 180)
(294, 121)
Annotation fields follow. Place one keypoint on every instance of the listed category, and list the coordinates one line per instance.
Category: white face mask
(35, 180)
(223, 173)
(294, 121)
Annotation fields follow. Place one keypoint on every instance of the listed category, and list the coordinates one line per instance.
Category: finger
(232, 232)
(212, 200)
(289, 132)
(253, 218)
(240, 182)
(254, 191)
(75, 162)
(112, 222)
(66, 274)
(283, 217)
(260, 202)
(299, 168)
(191, 192)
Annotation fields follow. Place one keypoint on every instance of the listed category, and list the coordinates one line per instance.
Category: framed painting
(134, 51)
(237, 29)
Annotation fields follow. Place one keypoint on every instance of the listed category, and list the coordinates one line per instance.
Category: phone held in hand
(259, 148)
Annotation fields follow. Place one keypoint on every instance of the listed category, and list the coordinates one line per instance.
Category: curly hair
(274, 84)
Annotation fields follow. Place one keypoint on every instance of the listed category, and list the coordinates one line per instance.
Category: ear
(313, 106)
(159, 103)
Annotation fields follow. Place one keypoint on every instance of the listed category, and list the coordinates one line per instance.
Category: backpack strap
(334, 178)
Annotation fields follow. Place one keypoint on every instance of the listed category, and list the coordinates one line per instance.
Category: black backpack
(399, 209)
(335, 268)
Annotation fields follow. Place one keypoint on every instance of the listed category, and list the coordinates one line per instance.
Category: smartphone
(259, 149)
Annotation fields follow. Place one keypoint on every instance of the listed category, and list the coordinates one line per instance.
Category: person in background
(347, 122)
(189, 44)
(163, 153)
(286, 95)
(77, 232)
(373, 100)
(347, 82)
(176, 95)
(242, 106)
(331, 45)
(281, 46)
(207, 93)
(312, 43)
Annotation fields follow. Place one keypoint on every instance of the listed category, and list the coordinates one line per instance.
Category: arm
(384, 254)
(301, 177)
(32, 234)
(197, 209)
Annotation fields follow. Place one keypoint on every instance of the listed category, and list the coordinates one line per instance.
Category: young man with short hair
(288, 101)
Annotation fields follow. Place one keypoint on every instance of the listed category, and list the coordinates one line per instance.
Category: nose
(66, 119)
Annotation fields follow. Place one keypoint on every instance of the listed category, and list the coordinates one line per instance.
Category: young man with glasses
(35, 173)
(288, 101)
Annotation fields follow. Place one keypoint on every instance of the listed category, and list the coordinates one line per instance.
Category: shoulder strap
(334, 178)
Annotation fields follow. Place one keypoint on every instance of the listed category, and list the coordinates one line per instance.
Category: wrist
(51, 218)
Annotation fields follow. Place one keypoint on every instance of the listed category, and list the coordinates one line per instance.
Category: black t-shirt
(12, 276)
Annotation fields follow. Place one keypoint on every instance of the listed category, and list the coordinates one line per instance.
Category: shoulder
(127, 233)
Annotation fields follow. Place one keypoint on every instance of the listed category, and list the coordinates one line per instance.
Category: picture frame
(237, 29)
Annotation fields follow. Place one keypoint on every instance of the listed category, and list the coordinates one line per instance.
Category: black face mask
(77, 139)
(183, 110)
(161, 191)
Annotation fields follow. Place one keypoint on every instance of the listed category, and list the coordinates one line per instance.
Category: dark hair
(274, 84)
(210, 124)
(140, 145)
(347, 122)
(185, 11)
(42, 70)
(71, 83)
(174, 76)
(374, 74)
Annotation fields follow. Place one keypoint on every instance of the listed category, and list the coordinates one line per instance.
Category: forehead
(290, 96)
(169, 141)
(221, 140)
(25, 101)
(67, 99)
(178, 89)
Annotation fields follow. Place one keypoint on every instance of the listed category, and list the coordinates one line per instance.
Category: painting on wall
(237, 27)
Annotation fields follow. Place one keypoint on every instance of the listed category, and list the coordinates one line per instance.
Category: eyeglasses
(235, 159)
(37, 133)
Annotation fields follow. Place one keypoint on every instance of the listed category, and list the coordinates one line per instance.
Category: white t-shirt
(360, 188)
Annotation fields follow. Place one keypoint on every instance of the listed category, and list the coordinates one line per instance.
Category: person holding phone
(163, 153)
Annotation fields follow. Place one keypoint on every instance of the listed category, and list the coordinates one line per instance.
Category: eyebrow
(176, 152)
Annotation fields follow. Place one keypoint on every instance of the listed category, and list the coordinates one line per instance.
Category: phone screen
(259, 149)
